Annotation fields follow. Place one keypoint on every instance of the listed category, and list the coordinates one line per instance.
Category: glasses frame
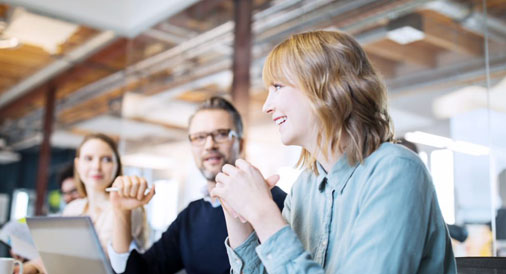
(231, 134)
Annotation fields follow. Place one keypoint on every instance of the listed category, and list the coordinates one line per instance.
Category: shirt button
(269, 256)
(325, 242)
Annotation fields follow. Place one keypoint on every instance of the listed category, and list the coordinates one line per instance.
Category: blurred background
(136, 70)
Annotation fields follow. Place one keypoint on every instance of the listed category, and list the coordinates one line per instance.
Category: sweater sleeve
(163, 257)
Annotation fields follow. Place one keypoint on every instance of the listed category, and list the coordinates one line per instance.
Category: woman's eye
(107, 159)
(88, 158)
(277, 86)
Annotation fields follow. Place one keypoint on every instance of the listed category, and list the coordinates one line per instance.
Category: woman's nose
(267, 107)
(97, 164)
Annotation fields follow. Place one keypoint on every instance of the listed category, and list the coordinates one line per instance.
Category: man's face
(211, 156)
(69, 190)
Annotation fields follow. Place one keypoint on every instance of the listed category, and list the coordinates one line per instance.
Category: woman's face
(96, 164)
(291, 111)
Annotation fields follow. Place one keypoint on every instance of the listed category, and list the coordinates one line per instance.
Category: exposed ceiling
(157, 76)
(128, 19)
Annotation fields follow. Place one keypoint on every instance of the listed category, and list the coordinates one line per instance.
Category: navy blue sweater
(194, 242)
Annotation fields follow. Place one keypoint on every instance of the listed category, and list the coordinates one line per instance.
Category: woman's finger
(143, 185)
(118, 183)
(217, 191)
(272, 180)
(148, 197)
(126, 186)
(242, 164)
(229, 169)
(135, 186)
(222, 178)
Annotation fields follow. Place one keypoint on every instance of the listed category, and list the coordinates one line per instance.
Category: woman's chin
(98, 185)
(288, 141)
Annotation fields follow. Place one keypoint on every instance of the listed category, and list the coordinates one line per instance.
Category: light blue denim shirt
(381, 216)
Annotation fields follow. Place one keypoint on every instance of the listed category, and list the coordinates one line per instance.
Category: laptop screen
(68, 245)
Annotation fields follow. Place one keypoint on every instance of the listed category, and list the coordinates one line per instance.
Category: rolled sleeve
(119, 260)
(279, 249)
(244, 258)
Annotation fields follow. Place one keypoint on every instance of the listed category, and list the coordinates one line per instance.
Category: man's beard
(211, 175)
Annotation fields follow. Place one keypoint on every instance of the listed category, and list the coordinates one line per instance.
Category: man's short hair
(219, 103)
(66, 172)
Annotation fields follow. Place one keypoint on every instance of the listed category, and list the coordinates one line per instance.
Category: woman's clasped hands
(243, 191)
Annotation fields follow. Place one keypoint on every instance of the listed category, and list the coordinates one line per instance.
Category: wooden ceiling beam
(69, 80)
(6, 82)
(23, 58)
(402, 53)
(3, 10)
(203, 8)
(452, 37)
(24, 103)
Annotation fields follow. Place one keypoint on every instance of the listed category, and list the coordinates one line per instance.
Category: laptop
(68, 245)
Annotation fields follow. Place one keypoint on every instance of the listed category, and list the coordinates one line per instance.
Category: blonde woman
(363, 204)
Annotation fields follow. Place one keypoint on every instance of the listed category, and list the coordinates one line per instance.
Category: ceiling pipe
(220, 35)
(173, 56)
(108, 83)
(446, 76)
(120, 78)
(470, 19)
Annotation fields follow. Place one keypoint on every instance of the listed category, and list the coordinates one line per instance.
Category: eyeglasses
(70, 192)
(219, 136)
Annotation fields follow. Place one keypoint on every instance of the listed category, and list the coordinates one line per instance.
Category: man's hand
(130, 193)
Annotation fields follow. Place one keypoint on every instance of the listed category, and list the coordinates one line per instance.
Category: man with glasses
(195, 240)
(67, 184)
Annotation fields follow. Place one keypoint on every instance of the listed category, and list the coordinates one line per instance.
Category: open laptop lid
(68, 245)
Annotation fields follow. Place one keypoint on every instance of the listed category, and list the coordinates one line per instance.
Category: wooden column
(45, 150)
(242, 55)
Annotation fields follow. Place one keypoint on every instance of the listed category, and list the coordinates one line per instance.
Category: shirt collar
(338, 176)
(207, 197)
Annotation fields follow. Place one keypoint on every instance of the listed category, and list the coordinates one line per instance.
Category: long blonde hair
(344, 90)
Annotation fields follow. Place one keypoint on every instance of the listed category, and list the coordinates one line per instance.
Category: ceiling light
(443, 142)
(406, 29)
(37, 30)
(9, 43)
(405, 35)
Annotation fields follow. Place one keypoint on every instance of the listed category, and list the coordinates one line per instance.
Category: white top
(104, 221)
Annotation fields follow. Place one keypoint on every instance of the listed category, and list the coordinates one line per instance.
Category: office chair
(481, 265)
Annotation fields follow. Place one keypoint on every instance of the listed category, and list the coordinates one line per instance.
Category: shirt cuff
(243, 259)
(119, 260)
(280, 248)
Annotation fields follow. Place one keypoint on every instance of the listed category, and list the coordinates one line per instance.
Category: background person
(68, 186)
(194, 241)
(96, 165)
